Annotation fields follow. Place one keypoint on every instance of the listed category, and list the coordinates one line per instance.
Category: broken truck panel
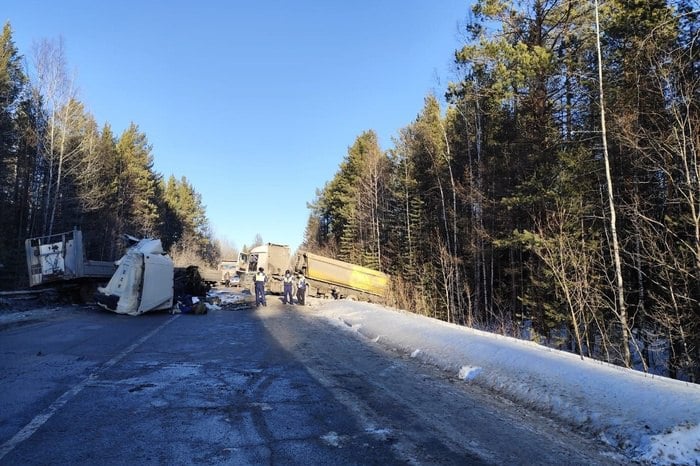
(143, 281)
(61, 258)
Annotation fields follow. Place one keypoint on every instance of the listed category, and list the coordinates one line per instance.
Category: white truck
(143, 281)
(60, 260)
(227, 270)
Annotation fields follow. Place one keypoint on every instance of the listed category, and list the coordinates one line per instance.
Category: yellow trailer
(341, 279)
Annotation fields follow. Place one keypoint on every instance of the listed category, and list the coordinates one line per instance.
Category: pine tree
(15, 166)
(520, 112)
(137, 184)
(94, 177)
(652, 89)
(186, 225)
(349, 213)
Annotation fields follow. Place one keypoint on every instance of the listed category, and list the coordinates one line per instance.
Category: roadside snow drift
(651, 418)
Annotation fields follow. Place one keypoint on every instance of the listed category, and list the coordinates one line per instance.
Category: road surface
(276, 385)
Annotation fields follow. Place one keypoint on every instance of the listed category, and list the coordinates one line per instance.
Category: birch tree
(55, 92)
(617, 260)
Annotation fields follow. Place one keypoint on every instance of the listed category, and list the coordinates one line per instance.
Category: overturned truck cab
(143, 281)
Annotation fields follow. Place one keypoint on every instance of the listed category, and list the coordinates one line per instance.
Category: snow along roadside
(651, 418)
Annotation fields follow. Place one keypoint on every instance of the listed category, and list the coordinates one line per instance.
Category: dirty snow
(651, 418)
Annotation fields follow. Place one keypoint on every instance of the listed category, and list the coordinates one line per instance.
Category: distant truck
(326, 277)
(273, 258)
(333, 278)
(216, 276)
(227, 272)
(59, 260)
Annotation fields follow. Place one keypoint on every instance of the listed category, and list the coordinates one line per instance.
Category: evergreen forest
(552, 192)
(59, 170)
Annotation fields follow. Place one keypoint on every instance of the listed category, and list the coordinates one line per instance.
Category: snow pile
(469, 373)
(651, 418)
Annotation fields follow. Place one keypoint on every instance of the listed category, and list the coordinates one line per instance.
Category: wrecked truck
(273, 258)
(143, 280)
(328, 277)
(59, 260)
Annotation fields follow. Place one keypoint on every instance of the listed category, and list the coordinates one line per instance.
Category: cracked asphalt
(275, 385)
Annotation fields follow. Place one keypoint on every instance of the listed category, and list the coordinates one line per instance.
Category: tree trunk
(622, 310)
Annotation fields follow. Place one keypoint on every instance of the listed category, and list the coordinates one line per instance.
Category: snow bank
(651, 418)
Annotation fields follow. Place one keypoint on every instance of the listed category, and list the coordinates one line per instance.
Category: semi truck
(273, 258)
(333, 278)
(143, 280)
(60, 260)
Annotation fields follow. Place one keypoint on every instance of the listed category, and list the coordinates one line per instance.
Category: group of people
(290, 282)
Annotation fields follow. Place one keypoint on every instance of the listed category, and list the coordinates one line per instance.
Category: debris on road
(230, 300)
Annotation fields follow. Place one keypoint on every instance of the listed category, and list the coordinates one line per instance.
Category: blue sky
(255, 102)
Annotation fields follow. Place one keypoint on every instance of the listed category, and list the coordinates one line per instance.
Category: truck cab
(274, 258)
(228, 272)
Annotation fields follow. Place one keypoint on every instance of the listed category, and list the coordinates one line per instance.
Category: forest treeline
(540, 200)
(60, 170)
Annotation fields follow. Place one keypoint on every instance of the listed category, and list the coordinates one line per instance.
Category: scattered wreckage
(143, 280)
(146, 280)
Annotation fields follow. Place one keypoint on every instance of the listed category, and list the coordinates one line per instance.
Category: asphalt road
(276, 385)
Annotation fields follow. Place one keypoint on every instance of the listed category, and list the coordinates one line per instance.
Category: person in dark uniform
(260, 279)
(287, 281)
(301, 289)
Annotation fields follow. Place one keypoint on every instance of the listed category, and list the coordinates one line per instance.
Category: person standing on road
(260, 279)
(301, 289)
(288, 279)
